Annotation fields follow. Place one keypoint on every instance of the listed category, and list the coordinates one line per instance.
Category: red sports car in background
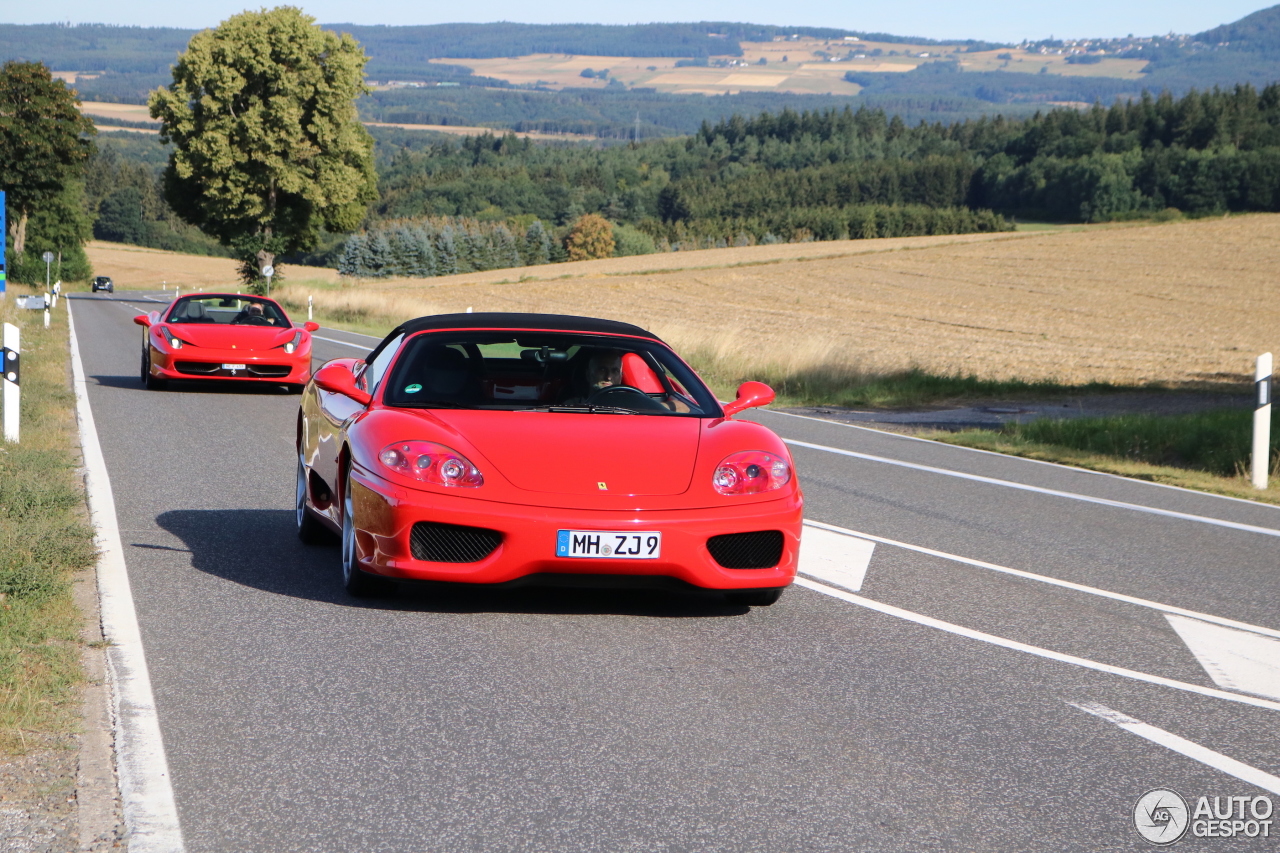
(225, 336)
(542, 449)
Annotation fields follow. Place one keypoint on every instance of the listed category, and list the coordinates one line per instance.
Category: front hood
(229, 337)
(580, 454)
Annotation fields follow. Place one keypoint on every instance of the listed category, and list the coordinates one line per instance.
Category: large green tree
(44, 142)
(267, 148)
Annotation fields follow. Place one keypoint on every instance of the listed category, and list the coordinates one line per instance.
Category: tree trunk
(20, 234)
(266, 258)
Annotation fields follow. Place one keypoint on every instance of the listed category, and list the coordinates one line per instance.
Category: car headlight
(751, 472)
(169, 338)
(290, 346)
(432, 463)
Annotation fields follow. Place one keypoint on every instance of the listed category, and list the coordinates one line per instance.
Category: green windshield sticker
(412, 389)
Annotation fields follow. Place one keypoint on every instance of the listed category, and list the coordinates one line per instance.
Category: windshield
(545, 371)
(229, 310)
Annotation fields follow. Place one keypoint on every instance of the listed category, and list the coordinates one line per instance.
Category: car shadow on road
(194, 386)
(259, 548)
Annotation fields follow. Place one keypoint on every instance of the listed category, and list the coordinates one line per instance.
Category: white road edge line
(1014, 645)
(150, 812)
(886, 434)
(1182, 746)
(1009, 484)
(1116, 596)
(344, 343)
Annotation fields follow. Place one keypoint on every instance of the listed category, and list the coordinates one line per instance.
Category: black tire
(153, 383)
(310, 530)
(356, 582)
(754, 597)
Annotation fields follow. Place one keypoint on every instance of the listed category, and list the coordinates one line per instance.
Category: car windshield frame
(235, 314)
(542, 371)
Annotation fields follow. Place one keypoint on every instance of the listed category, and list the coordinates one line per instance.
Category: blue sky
(994, 20)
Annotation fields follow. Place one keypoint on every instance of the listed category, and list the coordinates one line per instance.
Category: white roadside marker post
(1262, 421)
(310, 302)
(12, 376)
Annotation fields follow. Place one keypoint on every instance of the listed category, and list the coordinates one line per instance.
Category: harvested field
(136, 268)
(1184, 303)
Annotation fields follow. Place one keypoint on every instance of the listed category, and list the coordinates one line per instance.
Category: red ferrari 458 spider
(225, 336)
(542, 449)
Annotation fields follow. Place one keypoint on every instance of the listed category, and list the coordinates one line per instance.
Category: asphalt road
(296, 718)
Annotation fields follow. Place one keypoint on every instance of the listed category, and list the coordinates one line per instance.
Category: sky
(991, 20)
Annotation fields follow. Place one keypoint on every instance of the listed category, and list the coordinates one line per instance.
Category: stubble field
(1182, 304)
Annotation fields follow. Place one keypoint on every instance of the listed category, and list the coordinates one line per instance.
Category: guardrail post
(10, 354)
(1262, 422)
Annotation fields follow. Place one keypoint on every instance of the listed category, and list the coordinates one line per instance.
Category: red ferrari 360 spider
(225, 336)
(542, 449)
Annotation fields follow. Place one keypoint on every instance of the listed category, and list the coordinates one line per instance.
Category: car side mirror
(311, 326)
(750, 395)
(142, 320)
(337, 379)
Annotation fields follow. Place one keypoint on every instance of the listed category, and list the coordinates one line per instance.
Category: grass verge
(44, 539)
(1208, 451)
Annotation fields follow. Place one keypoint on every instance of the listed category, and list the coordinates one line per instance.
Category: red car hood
(572, 454)
(228, 336)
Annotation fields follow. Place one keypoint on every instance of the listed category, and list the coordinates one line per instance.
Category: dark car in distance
(102, 282)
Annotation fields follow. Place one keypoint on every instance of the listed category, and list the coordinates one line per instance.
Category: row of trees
(1208, 152)
(449, 245)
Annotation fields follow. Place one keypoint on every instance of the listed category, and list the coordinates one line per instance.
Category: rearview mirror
(142, 320)
(311, 326)
(337, 379)
(750, 395)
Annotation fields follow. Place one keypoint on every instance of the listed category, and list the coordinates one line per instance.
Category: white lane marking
(1006, 456)
(344, 343)
(1182, 746)
(359, 334)
(1234, 659)
(150, 812)
(1009, 484)
(1014, 645)
(1115, 596)
(839, 558)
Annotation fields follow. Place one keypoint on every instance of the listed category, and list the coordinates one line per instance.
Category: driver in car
(252, 314)
(604, 369)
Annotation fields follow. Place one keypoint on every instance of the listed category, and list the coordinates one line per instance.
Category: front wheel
(356, 582)
(151, 382)
(754, 597)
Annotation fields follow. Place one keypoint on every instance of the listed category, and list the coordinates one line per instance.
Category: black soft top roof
(517, 322)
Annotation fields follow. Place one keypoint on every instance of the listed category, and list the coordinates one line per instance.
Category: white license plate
(233, 367)
(609, 544)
